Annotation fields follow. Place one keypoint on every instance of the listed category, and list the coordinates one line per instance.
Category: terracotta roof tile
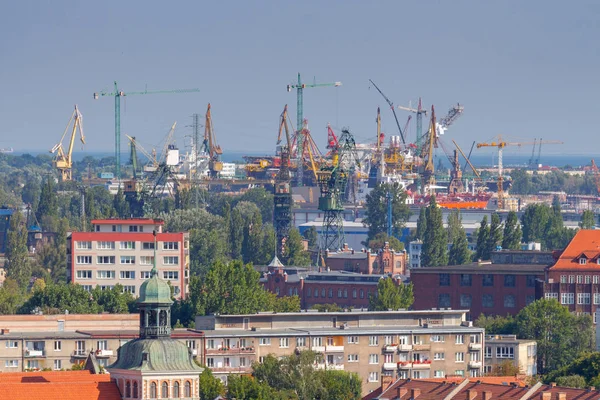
(586, 242)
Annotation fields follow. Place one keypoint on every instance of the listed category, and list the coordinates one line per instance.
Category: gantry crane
(300, 118)
(501, 144)
(420, 112)
(63, 161)
(215, 165)
(118, 94)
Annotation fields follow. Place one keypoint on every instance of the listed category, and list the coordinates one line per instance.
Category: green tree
(294, 253)
(11, 297)
(534, 222)
(210, 387)
(262, 199)
(17, 264)
(454, 225)
(435, 244)
(505, 368)
(421, 224)
(340, 385)
(483, 234)
(48, 204)
(572, 381)
(494, 238)
(588, 220)
(391, 296)
(459, 252)
(313, 238)
(236, 234)
(121, 205)
(282, 304)
(327, 307)
(378, 242)
(243, 387)
(376, 210)
(511, 238)
(586, 365)
(497, 325)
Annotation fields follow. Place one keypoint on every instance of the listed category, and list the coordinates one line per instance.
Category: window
(165, 390)
(354, 293)
(373, 377)
(596, 278)
(316, 292)
(459, 357)
(388, 340)
(145, 275)
(57, 364)
(176, 388)
(509, 281)
(129, 289)
(105, 245)
(488, 352)
(210, 362)
(505, 352)
(301, 342)
(579, 279)
(571, 278)
(170, 245)
(465, 279)
(438, 374)
(588, 279)
(153, 390)
(563, 279)
(105, 259)
(583, 261)
(509, 301)
(465, 300)
(127, 274)
(171, 275)
(133, 228)
(460, 339)
(105, 274)
(373, 340)
(373, 358)
(530, 279)
(345, 293)
(57, 345)
(170, 260)
(330, 293)
(362, 294)
(352, 339)
(323, 292)
(438, 356)
(444, 279)
(127, 246)
(339, 293)
(459, 372)
(83, 260)
(308, 292)
(11, 363)
(127, 259)
(567, 298)
(443, 300)
(529, 299)
(83, 245)
(583, 298)
(487, 300)
(135, 390)
(106, 287)
(265, 341)
(488, 280)
(284, 342)
(84, 274)
(187, 389)
(417, 339)
(87, 287)
(12, 344)
(317, 341)
(147, 245)
(352, 357)
(596, 298)
(438, 338)
(551, 295)
(242, 361)
(531, 351)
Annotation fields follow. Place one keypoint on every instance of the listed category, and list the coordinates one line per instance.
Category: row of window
(487, 300)
(502, 352)
(32, 364)
(487, 280)
(144, 260)
(569, 298)
(127, 245)
(587, 279)
(341, 293)
(165, 392)
(119, 228)
(111, 274)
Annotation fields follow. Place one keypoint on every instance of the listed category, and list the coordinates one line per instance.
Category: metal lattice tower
(282, 213)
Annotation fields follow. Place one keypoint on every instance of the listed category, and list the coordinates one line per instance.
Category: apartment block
(35, 342)
(398, 344)
(502, 348)
(121, 251)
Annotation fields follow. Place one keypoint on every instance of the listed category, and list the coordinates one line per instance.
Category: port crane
(500, 144)
(215, 165)
(117, 94)
(63, 160)
(282, 196)
(420, 112)
(391, 104)
(300, 117)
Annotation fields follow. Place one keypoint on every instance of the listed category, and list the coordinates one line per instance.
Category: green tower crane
(300, 120)
(118, 94)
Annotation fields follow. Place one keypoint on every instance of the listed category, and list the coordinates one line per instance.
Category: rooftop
(483, 268)
(130, 221)
(585, 243)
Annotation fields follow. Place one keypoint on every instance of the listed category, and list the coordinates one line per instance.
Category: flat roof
(137, 221)
(482, 268)
(355, 311)
(45, 335)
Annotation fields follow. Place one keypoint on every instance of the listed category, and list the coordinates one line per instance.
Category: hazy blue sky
(524, 69)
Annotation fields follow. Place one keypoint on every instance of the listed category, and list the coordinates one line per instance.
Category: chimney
(562, 396)
(545, 396)
(471, 394)
(552, 384)
(487, 395)
(401, 392)
(414, 393)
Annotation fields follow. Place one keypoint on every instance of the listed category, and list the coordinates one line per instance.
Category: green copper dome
(165, 354)
(155, 291)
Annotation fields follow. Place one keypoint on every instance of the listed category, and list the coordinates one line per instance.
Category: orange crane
(63, 161)
(501, 144)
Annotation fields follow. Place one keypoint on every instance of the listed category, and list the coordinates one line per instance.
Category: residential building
(502, 348)
(483, 288)
(408, 344)
(346, 289)
(121, 251)
(574, 279)
(381, 261)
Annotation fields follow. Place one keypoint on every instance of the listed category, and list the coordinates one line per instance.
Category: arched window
(176, 389)
(128, 389)
(164, 390)
(135, 390)
(153, 390)
(187, 390)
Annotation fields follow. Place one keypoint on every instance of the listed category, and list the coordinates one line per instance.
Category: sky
(521, 69)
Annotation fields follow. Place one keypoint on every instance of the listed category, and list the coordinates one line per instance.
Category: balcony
(336, 367)
(334, 349)
(426, 364)
(404, 365)
(475, 364)
(194, 352)
(475, 346)
(34, 353)
(80, 353)
(228, 351)
(104, 353)
(231, 369)
(390, 348)
(390, 366)
(318, 349)
(421, 347)
(405, 347)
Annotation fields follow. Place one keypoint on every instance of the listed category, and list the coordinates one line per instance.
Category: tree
(313, 238)
(572, 381)
(48, 204)
(459, 252)
(421, 224)
(494, 237)
(294, 253)
(121, 205)
(11, 297)
(236, 234)
(378, 242)
(17, 265)
(511, 238)
(454, 225)
(505, 368)
(497, 325)
(328, 307)
(483, 234)
(210, 387)
(391, 296)
(585, 366)
(376, 210)
(435, 244)
(534, 222)
(263, 201)
(588, 220)
(243, 387)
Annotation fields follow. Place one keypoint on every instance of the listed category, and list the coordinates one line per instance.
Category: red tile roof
(64, 385)
(586, 242)
(495, 380)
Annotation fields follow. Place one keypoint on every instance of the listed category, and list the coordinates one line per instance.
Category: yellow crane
(215, 165)
(501, 144)
(63, 161)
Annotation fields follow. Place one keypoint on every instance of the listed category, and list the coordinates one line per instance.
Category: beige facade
(502, 348)
(400, 344)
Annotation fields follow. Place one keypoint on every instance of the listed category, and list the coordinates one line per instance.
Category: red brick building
(346, 289)
(574, 279)
(382, 261)
(483, 288)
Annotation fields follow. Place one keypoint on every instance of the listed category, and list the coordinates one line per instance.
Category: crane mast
(63, 160)
(282, 198)
(391, 104)
(215, 165)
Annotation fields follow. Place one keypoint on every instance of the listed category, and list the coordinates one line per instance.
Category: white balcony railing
(34, 353)
(104, 353)
(336, 349)
(389, 366)
(475, 346)
(405, 347)
(475, 364)
(390, 348)
(318, 349)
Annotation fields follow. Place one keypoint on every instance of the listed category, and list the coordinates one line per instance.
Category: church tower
(155, 366)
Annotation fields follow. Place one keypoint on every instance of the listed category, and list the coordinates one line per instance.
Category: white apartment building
(121, 251)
